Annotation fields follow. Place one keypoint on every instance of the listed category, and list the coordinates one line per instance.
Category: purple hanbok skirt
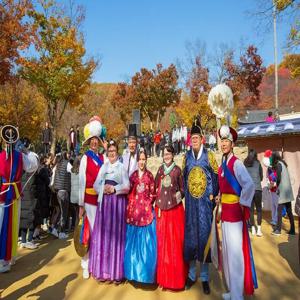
(107, 246)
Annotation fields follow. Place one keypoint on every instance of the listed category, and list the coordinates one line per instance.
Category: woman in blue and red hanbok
(171, 267)
(106, 258)
(141, 245)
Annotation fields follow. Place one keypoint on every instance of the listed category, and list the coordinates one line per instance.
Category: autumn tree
(151, 91)
(22, 106)
(96, 101)
(292, 62)
(288, 88)
(58, 68)
(245, 76)
(124, 101)
(16, 34)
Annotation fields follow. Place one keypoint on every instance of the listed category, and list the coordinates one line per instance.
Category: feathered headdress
(220, 100)
(92, 129)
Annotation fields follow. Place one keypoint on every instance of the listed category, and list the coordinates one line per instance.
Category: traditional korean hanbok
(141, 245)
(171, 267)
(108, 237)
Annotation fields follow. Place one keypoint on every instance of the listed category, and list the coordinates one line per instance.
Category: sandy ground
(53, 272)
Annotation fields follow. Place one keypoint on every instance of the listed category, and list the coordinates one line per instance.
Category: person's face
(46, 124)
(226, 146)
(94, 144)
(131, 145)
(142, 162)
(168, 157)
(112, 154)
(48, 161)
(196, 142)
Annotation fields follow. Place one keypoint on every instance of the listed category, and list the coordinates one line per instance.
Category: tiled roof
(263, 129)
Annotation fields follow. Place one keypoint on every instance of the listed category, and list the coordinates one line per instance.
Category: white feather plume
(220, 100)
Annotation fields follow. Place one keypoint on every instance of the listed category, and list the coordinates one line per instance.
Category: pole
(275, 57)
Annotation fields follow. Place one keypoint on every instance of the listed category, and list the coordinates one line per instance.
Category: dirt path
(53, 272)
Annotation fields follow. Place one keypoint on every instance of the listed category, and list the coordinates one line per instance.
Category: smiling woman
(108, 237)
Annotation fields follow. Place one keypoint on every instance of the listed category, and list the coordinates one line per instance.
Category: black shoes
(206, 288)
(205, 285)
(189, 283)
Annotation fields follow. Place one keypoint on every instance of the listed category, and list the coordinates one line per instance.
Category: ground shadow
(289, 251)
(25, 289)
(55, 291)
(38, 257)
(143, 286)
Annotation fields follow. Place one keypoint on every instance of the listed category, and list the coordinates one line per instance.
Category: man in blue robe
(200, 172)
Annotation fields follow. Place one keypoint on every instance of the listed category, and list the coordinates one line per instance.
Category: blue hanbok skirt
(141, 253)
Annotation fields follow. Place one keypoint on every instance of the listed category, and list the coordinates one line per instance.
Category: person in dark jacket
(46, 138)
(42, 211)
(162, 144)
(28, 205)
(254, 168)
(62, 185)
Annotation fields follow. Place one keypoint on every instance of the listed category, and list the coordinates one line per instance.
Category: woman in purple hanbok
(108, 238)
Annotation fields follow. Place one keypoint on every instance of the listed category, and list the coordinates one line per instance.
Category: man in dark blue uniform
(200, 172)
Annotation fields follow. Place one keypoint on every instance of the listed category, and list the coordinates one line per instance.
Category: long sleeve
(53, 177)
(213, 173)
(278, 173)
(82, 179)
(260, 172)
(245, 181)
(157, 182)
(123, 188)
(180, 184)
(30, 162)
(152, 189)
(99, 182)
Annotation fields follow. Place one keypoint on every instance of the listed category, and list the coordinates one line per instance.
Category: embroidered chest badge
(141, 187)
(166, 182)
(197, 182)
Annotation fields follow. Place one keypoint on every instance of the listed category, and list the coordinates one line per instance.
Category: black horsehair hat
(132, 131)
(196, 127)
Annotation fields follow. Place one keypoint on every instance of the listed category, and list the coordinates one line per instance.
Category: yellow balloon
(86, 131)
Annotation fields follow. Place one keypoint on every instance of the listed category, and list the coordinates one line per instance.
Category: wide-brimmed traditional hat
(227, 133)
(92, 129)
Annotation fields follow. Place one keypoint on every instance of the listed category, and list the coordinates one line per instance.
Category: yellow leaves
(22, 106)
(187, 109)
(282, 4)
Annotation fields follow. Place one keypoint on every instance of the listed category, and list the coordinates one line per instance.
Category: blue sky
(130, 34)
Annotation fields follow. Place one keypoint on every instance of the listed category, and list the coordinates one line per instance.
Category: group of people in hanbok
(141, 231)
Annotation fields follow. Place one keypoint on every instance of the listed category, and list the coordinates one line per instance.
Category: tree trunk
(157, 120)
(54, 137)
(52, 114)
